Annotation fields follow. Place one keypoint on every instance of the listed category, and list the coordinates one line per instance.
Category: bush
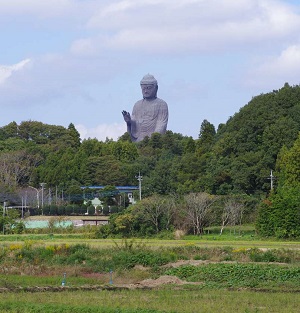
(91, 210)
(280, 215)
(53, 210)
(69, 209)
(46, 210)
(257, 255)
(82, 209)
(103, 231)
(114, 209)
(19, 228)
(61, 210)
(105, 210)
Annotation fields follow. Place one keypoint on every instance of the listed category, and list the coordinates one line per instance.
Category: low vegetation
(134, 275)
(38, 259)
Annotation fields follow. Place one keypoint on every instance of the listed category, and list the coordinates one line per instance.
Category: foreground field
(204, 275)
(172, 299)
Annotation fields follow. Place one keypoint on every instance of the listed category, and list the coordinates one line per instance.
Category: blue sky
(81, 61)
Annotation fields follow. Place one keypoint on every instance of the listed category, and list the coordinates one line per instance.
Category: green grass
(151, 301)
(73, 239)
(239, 237)
(15, 281)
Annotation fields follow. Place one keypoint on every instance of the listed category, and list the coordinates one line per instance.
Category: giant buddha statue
(149, 115)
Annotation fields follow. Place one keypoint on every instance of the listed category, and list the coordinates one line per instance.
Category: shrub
(105, 210)
(280, 216)
(53, 210)
(91, 210)
(69, 209)
(114, 209)
(103, 231)
(257, 255)
(61, 210)
(46, 210)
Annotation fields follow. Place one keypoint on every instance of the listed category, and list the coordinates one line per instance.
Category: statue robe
(148, 117)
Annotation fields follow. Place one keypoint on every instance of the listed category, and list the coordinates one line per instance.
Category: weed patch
(63, 308)
(239, 275)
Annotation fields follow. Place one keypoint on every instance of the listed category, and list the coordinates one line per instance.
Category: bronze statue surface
(149, 115)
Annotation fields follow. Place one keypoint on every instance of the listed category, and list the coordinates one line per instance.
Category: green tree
(206, 136)
(74, 134)
(108, 195)
(9, 131)
(123, 223)
(92, 147)
(74, 192)
(9, 221)
(288, 165)
(281, 217)
(124, 150)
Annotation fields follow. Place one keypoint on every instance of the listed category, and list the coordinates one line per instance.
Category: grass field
(229, 273)
(205, 241)
(171, 299)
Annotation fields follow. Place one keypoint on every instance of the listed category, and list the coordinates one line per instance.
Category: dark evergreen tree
(206, 136)
(74, 134)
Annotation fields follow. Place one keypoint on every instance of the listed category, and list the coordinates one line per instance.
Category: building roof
(118, 188)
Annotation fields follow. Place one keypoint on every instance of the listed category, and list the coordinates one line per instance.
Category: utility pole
(49, 197)
(22, 207)
(272, 177)
(4, 208)
(42, 185)
(25, 199)
(140, 178)
(56, 195)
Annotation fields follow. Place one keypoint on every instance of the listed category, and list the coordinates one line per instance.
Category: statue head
(149, 86)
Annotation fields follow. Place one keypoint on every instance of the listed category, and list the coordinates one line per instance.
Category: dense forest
(234, 159)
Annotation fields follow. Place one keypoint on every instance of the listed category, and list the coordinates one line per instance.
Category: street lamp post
(37, 196)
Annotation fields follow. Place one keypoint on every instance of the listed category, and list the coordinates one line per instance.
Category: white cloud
(275, 71)
(45, 15)
(7, 70)
(84, 47)
(160, 26)
(101, 132)
(165, 26)
(53, 76)
(38, 8)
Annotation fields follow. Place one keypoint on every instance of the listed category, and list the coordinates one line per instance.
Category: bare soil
(162, 280)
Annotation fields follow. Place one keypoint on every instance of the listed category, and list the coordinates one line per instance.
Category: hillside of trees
(234, 159)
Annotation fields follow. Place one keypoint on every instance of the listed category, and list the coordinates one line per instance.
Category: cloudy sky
(81, 61)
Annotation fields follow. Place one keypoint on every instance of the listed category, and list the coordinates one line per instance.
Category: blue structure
(119, 189)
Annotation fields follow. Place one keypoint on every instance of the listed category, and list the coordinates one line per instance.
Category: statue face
(149, 91)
